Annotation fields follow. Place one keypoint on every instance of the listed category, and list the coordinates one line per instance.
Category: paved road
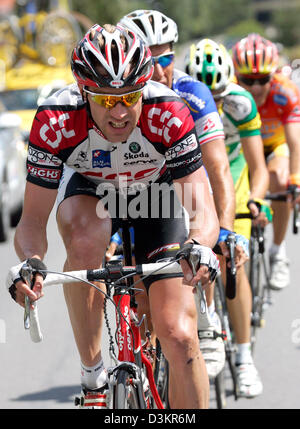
(277, 353)
(46, 375)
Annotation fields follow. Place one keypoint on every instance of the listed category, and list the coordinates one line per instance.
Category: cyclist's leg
(248, 381)
(175, 321)
(240, 307)
(85, 237)
(173, 311)
(278, 166)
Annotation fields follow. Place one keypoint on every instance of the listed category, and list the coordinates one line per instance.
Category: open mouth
(118, 125)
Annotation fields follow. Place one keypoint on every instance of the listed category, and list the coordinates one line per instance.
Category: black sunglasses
(249, 81)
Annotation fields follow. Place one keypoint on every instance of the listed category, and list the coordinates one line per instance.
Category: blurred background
(43, 32)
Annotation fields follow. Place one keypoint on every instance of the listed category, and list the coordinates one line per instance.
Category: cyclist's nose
(119, 110)
(158, 72)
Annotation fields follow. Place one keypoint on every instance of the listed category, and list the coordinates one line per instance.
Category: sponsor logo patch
(101, 158)
(44, 173)
(167, 247)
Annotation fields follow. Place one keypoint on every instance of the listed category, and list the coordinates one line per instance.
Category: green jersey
(240, 119)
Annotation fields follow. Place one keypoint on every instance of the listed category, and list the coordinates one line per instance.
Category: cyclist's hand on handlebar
(199, 264)
(260, 211)
(241, 248)
(17, 285)
(110, 251)
(294, 189)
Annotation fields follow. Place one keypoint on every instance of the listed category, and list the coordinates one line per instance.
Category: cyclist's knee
(84, 241)
(278, 178)
(177, 340)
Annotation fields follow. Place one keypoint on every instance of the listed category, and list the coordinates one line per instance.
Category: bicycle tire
(161, 375)
(220, 390)
(10, 37)
(221, 309)
(57, 37)
(127, 395)
(257, 290)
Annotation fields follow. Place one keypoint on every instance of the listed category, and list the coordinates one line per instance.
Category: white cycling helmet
(102, 57)
(152, 26)
(210, 63)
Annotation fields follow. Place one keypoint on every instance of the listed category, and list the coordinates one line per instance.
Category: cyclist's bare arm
(254, 155)
(259, 176)
(292, 133)
(204, 223)
(31, 237)
(216, 162)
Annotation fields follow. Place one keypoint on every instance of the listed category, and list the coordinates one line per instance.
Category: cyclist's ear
(83, 94)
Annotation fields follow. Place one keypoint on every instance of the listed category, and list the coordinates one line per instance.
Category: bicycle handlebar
(280, 196)
(31, 319)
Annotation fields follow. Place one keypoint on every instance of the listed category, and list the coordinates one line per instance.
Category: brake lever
(296, 218)
(26, 274)
(231, 271)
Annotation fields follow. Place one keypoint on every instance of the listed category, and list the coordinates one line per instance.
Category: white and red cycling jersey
(63, 132)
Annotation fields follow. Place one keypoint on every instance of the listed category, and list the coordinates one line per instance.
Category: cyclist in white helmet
(160, 33)
(211, 63)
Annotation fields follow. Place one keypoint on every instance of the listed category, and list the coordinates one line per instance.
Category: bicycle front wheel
(161, 375)
(127, 394)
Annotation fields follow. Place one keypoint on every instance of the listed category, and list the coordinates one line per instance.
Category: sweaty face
(115, 123)
(161, 74)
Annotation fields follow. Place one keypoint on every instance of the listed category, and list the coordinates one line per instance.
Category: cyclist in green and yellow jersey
(210, 63)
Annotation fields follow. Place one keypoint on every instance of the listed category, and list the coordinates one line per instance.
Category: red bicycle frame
(129, 340)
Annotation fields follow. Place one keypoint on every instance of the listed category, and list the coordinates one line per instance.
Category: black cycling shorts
(158, 233)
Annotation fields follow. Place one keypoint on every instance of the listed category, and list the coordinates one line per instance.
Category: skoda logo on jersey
(101, 158)
(134, 147)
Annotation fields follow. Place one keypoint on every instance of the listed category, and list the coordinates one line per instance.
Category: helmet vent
(113, 49)
(208, 58)
(165, 26)
(209, 79)
(220, 60)
(199, 76)
(140, 25)
(218, 77)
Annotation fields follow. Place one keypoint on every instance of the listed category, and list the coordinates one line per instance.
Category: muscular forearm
(217, 166)
(30, 241)
(259, 183)
(224, 196)
(292, 132)
(258, 172)
(295, 160)
(31, 233)
(205, 229)
(193, 190)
